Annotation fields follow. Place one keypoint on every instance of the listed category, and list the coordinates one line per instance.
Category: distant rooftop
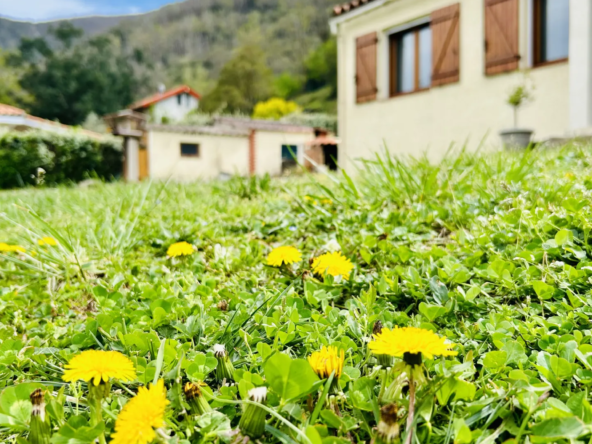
(216, 130)
(262, 125)
(149, 101)
(16, 117)
(349, 6)
(7, 110)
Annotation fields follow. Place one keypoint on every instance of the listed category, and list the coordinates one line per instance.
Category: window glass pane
(189, 149)
(555, 28)
(289, 152)
(425, 57)
(406, 63)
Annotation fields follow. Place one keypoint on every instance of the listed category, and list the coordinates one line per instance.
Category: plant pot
(516, 139)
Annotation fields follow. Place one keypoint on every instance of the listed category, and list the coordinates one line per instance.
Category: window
(179, 99)
(411, 60)
(551, 27)
(189, 150)
(289, 156)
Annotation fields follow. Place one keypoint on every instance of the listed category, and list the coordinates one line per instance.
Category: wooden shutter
(501, 36)
(446, 45)
(366, 48)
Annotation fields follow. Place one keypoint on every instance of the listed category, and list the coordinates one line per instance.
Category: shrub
(63, 157)
(274, 109)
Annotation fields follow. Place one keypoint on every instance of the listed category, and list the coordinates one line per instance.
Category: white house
(418, 75)
(226, 147)
(168, 106)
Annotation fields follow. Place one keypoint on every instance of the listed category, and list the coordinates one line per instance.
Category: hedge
(64, 157)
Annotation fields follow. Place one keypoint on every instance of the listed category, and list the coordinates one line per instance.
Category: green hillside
(188, 42)
(11, 31)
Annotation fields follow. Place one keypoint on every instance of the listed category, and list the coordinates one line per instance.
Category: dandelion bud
(385, 361)
(225, 369)
(195, 398)
(40, 429)
(252, 423)
(388, 427)
(377, 329)
(223, 305)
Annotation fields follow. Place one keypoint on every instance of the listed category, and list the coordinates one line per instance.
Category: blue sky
(39, 10)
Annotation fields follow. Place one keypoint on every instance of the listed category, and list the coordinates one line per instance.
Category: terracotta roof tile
(145, 103)
(7, 110)
(216, 130)
(262, 125)
(346, 7)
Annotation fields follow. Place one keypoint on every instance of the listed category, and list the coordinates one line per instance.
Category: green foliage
(34, 157)
(244, 80)
(492, 251)
(519, 96)
(11, 92)
(274, 109)
(321, 67)
(79, 78)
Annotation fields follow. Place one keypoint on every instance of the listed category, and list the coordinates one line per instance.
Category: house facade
(419, 75)
(168, 106)
(228, 146)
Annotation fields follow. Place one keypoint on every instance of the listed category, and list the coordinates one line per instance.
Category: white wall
(472, 110)
(269, 149)
(580, 52)
(171, 109)
(217, 154)
(132, 159)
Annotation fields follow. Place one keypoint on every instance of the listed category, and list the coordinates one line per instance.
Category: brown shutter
(366, 47)
(501, 36)
(445, 26)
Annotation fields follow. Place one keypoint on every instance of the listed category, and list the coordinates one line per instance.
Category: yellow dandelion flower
(141, 415)
(399, 342)
(180, 249)
(326, 361)
(283, 255)
(6, 248)
(98, 365)
(49, 241)
(335, 264)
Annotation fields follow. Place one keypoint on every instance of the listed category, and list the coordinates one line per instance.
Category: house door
(143, 163)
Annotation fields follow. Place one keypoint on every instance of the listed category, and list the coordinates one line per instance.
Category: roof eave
(336, 21)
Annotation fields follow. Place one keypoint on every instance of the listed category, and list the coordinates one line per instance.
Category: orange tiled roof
(348, 6)
(148, 101)
(7, 110)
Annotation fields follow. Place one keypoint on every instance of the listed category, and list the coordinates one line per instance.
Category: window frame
(537, 38)
(197, 145)
(393, 47)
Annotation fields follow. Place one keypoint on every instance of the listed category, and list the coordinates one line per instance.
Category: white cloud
(38, 10)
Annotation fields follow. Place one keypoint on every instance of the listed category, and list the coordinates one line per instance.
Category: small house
(418, 75)
(168, 106)
(228, 146)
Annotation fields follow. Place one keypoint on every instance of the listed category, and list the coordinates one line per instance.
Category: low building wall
(218, 154)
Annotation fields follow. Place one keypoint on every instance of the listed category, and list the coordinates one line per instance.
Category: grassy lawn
(491, 252)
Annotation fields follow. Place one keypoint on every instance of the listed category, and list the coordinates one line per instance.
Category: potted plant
(517, 138)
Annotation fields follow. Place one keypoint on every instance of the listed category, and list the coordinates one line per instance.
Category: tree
(274, 109)
(11, 92)
(78, 77)
(244, 80)
(321, 68)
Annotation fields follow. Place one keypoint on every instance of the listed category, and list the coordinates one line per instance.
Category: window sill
(188, 156)
(410, 93)
(550, 63)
